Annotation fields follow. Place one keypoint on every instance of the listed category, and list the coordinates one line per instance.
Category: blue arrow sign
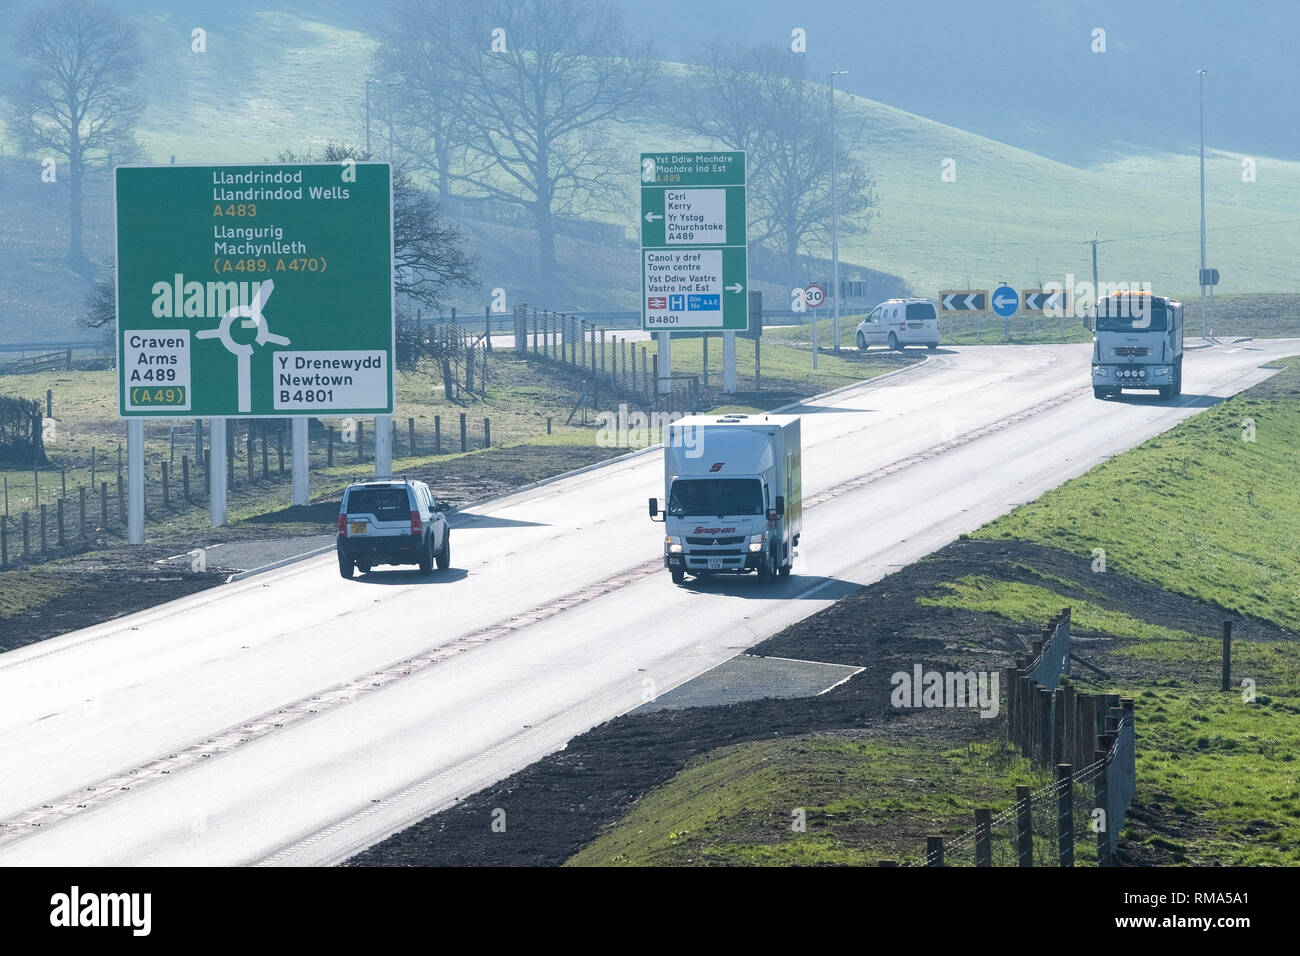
(1005, 301)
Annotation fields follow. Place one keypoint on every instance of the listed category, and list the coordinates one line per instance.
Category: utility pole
(1201, 75)
(835, 238)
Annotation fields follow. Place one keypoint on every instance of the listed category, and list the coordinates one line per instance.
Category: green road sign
(694, 251)
(254, 291)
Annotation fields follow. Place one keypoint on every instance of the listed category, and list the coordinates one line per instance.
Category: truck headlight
(674, 545)
(755, 542)
(1099, 371)
(1163, 370)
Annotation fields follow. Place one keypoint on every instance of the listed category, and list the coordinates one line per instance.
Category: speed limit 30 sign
(813, 295)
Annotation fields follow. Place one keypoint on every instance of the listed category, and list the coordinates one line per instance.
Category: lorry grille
(735, 540)
(1130, 350)
(715, 553)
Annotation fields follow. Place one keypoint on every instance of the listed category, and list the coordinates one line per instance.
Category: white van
(899, 323)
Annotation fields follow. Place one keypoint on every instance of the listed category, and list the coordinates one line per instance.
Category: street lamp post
(368, 82)
(835, 224)
(1201, 75)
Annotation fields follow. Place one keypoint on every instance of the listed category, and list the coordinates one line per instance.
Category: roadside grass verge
(1207, 509)
(863, 799)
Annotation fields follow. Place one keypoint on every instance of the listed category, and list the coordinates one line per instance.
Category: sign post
(694, 248)
(254, 291)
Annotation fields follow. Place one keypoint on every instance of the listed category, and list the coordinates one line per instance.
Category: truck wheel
(444, 553)
(426, 557)
(363, 567)
(931, 345)
(784, 571)
(765, 570)
(678, 575)
(1178, 378)
(893, 342)
(345, 566)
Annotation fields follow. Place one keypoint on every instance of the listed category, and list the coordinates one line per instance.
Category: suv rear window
(916, 311)
(386, 504)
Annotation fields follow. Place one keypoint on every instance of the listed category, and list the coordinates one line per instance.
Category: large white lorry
(1138, 344)
(734, 500)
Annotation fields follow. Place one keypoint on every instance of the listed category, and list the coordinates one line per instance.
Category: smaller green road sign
(694, 252)
(255, 291)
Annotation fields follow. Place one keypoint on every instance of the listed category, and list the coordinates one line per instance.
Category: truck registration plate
(715, 564)
(358, 527)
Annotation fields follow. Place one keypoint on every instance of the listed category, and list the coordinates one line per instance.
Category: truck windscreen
(1119, 315)
(715, 496)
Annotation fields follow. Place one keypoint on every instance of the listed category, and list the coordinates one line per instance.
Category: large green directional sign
(694, 261)
(255, 291)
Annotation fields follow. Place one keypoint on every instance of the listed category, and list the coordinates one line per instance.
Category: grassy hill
(293, 78)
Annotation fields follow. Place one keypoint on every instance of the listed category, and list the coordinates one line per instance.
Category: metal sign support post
(665, 383)
(134, 481)
(217, 471)
(383, 446)
(729, 362)
(301, 465)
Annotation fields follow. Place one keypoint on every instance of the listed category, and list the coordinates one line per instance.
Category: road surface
(295, 718)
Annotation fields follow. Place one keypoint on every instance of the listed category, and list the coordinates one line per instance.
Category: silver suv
(392, 521)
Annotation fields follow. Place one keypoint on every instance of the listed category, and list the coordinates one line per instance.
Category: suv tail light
(343, 526)
(416, 526)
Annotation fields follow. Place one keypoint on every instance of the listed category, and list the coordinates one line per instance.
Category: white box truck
(733, 500)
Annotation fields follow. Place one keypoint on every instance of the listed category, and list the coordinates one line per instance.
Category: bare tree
(75, 99)
(759, 99)
(538, 110)
(417, 40)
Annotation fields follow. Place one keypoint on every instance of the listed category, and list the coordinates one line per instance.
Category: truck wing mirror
(654, 508)
(778, 511)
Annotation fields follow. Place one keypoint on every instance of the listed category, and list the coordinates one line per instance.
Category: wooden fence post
(1024, 826)
(1065, 814)
(1027, 712)
(81, 512)
(487, 433)
(1013, 702)
(1044, 742)
(464, 440)
(103, 506)
(27, 540)
(1101, 801)
(1226, 680)
(44, 549)
(166, 491)
(1059, 754)
(62, 541)
(934, 851)
(185, 477)
(983, 843)
(437, 434)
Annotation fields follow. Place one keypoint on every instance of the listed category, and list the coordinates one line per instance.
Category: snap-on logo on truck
(703, 530)
(717, 466)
